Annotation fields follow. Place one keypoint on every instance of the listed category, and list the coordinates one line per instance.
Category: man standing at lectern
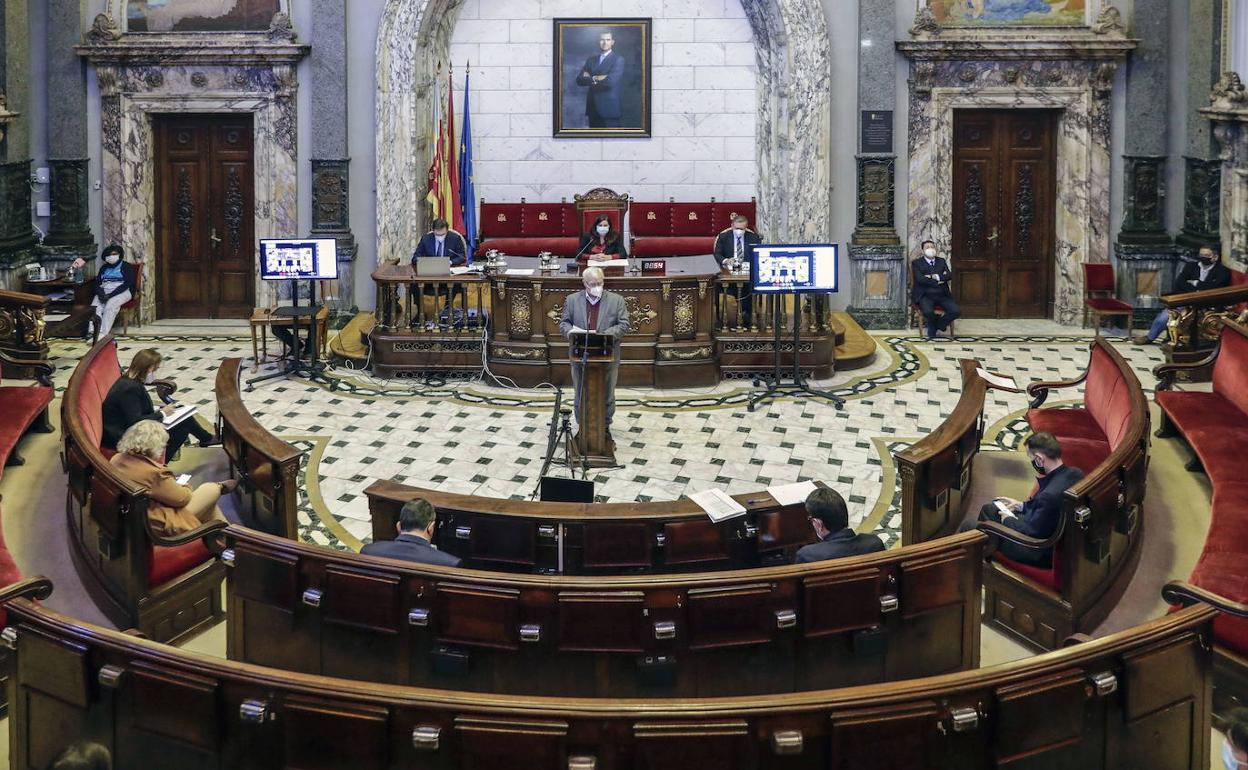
(599, 311)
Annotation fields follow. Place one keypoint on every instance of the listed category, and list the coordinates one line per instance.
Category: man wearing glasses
(829, 517)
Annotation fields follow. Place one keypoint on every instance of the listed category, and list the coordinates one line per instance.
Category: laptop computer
(429, 266)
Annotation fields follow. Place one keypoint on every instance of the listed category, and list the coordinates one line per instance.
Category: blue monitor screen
(299, 259)
(789, 268)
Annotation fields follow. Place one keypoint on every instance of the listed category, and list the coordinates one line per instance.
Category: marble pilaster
(793, 121)
(16, 84)
(69, 230)
(143, 74)
(1201, 175)
(1144, 160)
(331, 179)
(1228, 116)
(877, 285)
(1071, 71)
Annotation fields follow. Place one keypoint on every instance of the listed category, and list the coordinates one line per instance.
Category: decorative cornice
(189, 48)
(962, 44)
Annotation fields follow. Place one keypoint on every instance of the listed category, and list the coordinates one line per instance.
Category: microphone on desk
(582, 249)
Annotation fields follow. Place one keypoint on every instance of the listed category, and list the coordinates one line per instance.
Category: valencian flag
(437, 165)
(467, 193)
(453, 210)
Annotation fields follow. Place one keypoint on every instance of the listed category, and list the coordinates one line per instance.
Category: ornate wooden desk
(687, 325)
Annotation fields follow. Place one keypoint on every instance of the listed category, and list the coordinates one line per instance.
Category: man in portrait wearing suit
(829, 516)
(735, 243)
(600, 311)
(441, 241)
(417, 521)
(931, 288)
(603, 74)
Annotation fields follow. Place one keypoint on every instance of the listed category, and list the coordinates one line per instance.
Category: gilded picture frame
(601, 74)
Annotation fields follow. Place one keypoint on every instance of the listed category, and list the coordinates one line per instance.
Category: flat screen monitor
(301, 259)
(794, 268)
(557, 490)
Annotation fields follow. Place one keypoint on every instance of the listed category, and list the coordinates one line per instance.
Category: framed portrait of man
(602, 78)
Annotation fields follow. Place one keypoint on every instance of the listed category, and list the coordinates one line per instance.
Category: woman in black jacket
(128, 402)
(601, 242)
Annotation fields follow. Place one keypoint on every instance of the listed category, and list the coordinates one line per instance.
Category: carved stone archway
(793, 127)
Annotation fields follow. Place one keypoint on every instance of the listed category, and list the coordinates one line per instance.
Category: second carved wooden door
(1004, 204)
(205, 219)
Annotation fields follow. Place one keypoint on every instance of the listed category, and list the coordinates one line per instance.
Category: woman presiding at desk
(128, 403)
(601, 242)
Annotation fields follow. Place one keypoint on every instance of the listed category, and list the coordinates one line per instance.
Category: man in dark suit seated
(931, 288)
(1207, 272)
(441, 241)
(830, 517)
(417, 521)
(1038, 517)
(734, 244)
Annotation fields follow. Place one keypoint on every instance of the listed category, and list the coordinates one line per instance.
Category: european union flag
(467, 193)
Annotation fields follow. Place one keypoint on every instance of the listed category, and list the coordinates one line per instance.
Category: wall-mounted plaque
(877, 131)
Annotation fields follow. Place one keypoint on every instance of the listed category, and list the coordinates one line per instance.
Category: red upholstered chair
(499, 220)
(133, 305)
(650, 220)
(722, 213)
(1099, 300)
(598, 202)
(23, 407)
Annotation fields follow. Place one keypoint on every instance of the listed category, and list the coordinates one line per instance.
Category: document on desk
(520, 271)
(718, 504)
(791, 494)
(178, 415)
(1002, 381)
(460, 270)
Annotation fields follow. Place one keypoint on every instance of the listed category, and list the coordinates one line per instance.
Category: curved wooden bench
(936, 470)
(23, 408)
(1096, 546)
(1215, 425)
(890, 615)
(167, 587)
(266, 467)
(598, 538)
(1136, 699)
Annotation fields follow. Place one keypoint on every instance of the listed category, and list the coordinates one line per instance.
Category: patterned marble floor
(467, 437)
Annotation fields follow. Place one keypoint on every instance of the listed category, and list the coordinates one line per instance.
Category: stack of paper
(718, 504)
(1003, 381)
(608, 262)
(178, 415)
(520, 271)
(791, 494)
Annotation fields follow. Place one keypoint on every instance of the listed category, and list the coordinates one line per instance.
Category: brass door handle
(993, 237)
(213, 236)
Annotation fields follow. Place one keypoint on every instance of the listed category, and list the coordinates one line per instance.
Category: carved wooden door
(1004, 203)
(205, 216)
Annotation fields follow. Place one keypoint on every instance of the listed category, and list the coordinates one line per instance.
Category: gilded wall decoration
(521, 315)
(639, 315)
(683, 314)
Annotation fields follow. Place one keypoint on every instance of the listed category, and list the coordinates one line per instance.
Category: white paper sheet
(179, 414)
(718, 504)
(791, 494)
(520, 271)
(608, 263)
(997, 380)
(461, 269)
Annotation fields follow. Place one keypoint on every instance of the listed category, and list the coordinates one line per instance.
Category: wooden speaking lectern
(592, 447)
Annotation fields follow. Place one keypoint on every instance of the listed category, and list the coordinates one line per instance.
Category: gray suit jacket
(612, 316)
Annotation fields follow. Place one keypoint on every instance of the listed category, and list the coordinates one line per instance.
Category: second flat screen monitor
(794, 268)
(298, 259)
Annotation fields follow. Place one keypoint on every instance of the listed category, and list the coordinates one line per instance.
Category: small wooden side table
(262, 318)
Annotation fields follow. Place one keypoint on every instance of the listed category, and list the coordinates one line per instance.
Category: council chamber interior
(608, 384)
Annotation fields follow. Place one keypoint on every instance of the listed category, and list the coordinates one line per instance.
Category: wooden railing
(22, 325)
(576, 538)
(266, 467)
(1136, 699)
(936, 470)
(884, 616)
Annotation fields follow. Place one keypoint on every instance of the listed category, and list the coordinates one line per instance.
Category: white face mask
(603, 229)
(594, 291)
(150, 378)
(930, 253)
(112, 259)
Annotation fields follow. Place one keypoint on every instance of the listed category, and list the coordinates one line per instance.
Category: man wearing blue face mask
(1235, 747)
(1037, 517)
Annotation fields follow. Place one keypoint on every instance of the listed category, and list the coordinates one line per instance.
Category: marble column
(1144, 251)
(17, 237)
(331, 178)
(1202, 168)
(69, 233)
(877, 258)
(1228, 117)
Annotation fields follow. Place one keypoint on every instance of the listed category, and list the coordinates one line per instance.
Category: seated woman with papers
(601, 243)
(174, 507)
(128, 402)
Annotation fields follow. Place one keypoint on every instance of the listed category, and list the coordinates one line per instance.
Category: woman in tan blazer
(174, 508)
